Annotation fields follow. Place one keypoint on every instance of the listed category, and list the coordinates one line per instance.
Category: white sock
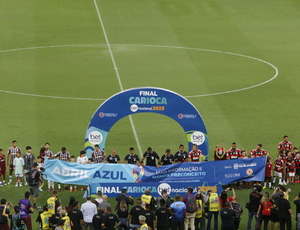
(74, 186)
(71, 187)
(10, 177)
(280, 180)
(49, 184)
(270, 184)
(58, 186)
(274, 179)
(265, 184)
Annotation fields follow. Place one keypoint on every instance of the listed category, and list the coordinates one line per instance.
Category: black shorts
(297, 171)
(274, 216)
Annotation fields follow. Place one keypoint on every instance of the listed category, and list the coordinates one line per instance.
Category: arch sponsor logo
(197, 138)
(95, 137)
(164, 186)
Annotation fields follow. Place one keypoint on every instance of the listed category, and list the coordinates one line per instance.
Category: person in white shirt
(88, 210)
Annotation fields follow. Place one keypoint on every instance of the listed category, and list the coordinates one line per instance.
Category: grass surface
(266, 30)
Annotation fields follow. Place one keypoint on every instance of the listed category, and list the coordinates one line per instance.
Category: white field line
(117, 74)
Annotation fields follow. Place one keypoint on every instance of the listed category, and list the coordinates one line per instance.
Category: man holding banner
(151, 157)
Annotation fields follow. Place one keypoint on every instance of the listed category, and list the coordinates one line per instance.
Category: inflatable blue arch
(146, 100)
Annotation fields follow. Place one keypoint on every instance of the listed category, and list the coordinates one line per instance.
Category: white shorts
(279, 174)
(291, 173)
(19, 175)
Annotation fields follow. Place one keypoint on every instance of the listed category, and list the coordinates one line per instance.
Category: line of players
(286, 165)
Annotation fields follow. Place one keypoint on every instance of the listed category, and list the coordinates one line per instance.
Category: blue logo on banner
(150, 100)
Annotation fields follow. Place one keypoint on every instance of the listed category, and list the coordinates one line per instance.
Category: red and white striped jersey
(285, 145)
(63, 156)
(13, 153)
(98, 156)
(278, 165)
(233, 154)
(48, 154)
(258, 153)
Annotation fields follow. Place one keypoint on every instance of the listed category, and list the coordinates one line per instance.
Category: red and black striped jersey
(258, 153)
(278, 165)
(297, 162)
(63, 156)
(232, 154)
(285, 145)
(13, 153)
(291, 167)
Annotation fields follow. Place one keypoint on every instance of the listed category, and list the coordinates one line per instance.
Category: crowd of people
(286, 167)
(194, 211)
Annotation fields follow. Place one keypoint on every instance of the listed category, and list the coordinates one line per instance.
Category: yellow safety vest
(45, 220)
(146, 199)
(51, 204)
(214, 202)
(199, 209)
(144, 226)
(67, 224)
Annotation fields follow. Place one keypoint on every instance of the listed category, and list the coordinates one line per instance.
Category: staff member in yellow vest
(213, 209)
(43, 219)
(67, 223)
(142, 220)
(147, 199)
(200, 217)
(53, 203)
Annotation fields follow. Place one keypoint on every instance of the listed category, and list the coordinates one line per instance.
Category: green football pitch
(235, 60)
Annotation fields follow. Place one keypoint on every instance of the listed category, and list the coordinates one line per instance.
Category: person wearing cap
(151, 157)
(143, 223)
(34, 180)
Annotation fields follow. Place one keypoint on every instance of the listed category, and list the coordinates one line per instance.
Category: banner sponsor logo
(181, 116)
(101, 114)
(197, 138)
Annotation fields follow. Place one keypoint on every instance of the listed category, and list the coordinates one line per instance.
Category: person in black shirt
(123, 196)
(122, 213)
(254, 202)
(131, 158)
(98, 219)
(285, 212)
(134, 214)
(297, 203)
(163, 215)
(168, 158)
(151, 157)
(110, 220)
(150, 217)
(113, 157)
(54, 219)
(76, 217)
(227, 216)
(181, 155)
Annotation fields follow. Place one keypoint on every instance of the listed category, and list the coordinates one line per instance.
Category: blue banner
(138, 189)
(225, 172)
(146, 100)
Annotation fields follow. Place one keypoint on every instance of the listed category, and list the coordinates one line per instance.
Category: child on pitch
(40, 168)
(278, 169)
(244, 155)
(297, 162)
(28, 160)
(72, 160)
(291, 171)
(269, 173)
(82, 159)
(18, 167)
(2, 168)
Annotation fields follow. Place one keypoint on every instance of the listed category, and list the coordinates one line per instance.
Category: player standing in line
(291, 171)
(285, 144)
(269, 173)
(28, 160)
(62, 155)
(167, 158)
(278, 169)
(233, 154)
(196, 154)
(181, 156)
(113, 157)
(98, 155)
(2, 168)
(287, 159)
(40, 168)
(11, 155)
(219, 153)
(82, 159)
(244, 155)
(258, 152)
(131, 158)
